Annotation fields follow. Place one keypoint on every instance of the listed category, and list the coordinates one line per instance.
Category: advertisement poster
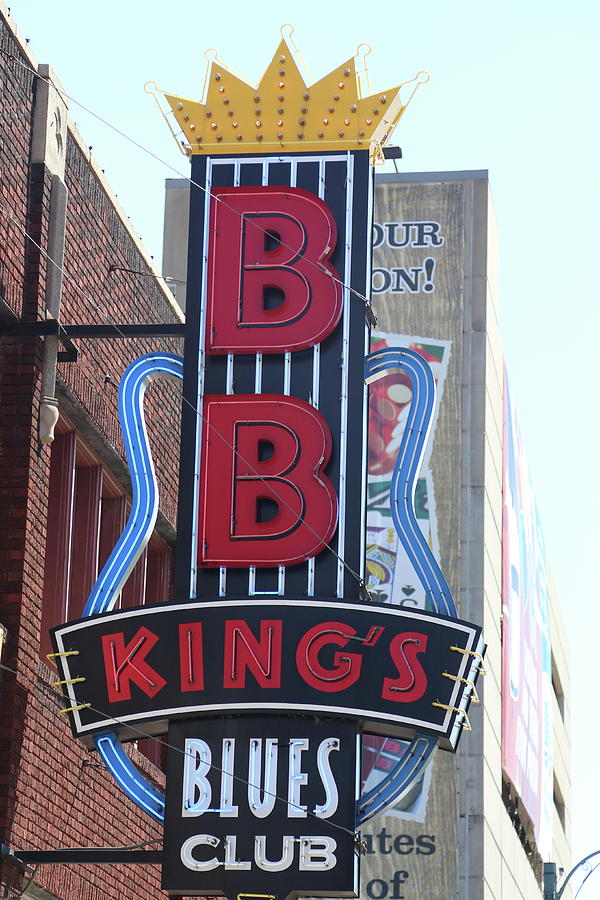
(418, 246)
(390, 575)
(527, 735)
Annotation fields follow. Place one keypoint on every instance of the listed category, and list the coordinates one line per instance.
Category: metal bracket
(92, 855)
(66, 333)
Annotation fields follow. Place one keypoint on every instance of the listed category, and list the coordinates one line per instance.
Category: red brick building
(63, 503)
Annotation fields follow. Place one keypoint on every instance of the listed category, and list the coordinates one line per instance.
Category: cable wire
(365, 300)
(165, 743)
(108, 319)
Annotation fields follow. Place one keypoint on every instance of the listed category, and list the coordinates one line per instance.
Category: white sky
(514, 90)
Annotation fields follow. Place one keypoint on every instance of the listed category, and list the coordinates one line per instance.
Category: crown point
(278, 97)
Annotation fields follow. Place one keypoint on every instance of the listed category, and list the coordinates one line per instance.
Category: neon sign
(272, 662)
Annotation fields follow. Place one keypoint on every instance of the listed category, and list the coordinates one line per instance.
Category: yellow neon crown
(283, 113)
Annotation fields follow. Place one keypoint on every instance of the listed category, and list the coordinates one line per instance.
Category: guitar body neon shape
(142, 519)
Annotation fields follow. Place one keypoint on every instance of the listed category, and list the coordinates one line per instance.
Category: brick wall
(53, 793)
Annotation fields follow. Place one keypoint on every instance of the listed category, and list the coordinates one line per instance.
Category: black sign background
(361, 700)
(342, 880)
(327, 175)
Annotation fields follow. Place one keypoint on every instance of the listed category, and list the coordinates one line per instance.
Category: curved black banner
(396, 671)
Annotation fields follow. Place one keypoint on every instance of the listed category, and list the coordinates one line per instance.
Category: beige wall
(478, 855)
(463, 308)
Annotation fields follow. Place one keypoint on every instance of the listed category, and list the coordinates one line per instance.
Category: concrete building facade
(466, 832)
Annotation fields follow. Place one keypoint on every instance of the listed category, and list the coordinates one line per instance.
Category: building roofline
(466, 175)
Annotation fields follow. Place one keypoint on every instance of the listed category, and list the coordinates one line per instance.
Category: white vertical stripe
(200, 393)
(344, 393)
(316, 386)
(365, 442)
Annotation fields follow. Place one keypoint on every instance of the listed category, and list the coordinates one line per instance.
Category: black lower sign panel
(393, 670)
(261, 805)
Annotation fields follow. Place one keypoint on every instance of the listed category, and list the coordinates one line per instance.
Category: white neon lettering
(317, 854)
(296, 778)
(189, 860)
(227, 810)
(287, 854)
(327, 809)
(262, 806)
(197, 791)
(230, 854)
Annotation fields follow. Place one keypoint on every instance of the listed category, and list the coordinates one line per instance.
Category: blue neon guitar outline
(142, 518)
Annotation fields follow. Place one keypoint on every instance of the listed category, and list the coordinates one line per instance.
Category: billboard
(418, 272)
(527, 728)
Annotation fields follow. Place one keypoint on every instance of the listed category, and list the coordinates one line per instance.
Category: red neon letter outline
(126, 663)
(242, 268)
(238, 484)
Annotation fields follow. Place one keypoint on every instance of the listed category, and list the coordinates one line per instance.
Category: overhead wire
(108, 319)
(165, 743)
(365, 300)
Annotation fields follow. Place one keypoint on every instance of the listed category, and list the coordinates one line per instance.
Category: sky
(513, 90)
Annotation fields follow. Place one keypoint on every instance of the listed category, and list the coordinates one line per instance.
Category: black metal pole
(549, 881)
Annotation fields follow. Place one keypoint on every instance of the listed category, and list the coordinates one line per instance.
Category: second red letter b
(264, 499)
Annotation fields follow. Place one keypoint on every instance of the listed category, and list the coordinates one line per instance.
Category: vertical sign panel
(418, 276)
(324, 373)
(261, 801)
(527, 696)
